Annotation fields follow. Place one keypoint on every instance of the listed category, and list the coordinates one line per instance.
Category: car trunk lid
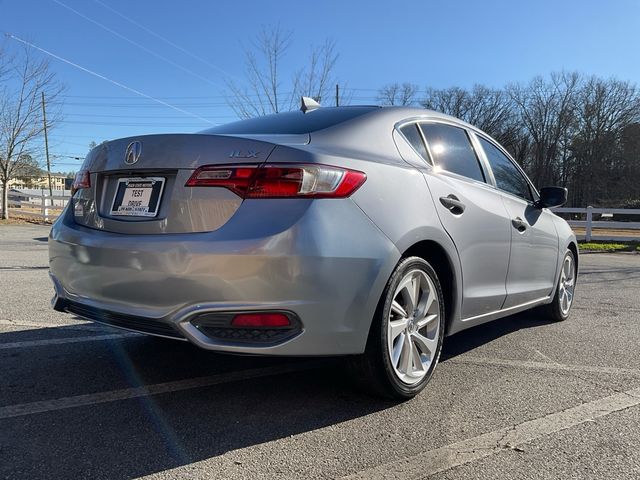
(137, 184)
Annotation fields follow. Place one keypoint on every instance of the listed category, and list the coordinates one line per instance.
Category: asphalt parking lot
(517, 398)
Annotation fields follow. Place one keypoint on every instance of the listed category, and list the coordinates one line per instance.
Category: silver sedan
(360, 231)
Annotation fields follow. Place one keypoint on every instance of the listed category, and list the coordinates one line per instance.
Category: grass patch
(609, 246)
(17, 219)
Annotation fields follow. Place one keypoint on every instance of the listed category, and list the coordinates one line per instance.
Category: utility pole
(46, 148)
(337, 95)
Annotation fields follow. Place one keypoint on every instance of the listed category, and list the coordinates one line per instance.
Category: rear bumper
(322, 260)
(118, 320)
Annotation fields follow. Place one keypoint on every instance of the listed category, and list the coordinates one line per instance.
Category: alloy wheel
(567, 284)
(413, 326)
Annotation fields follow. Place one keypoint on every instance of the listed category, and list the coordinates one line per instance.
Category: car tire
(560, 308)
(405, 339)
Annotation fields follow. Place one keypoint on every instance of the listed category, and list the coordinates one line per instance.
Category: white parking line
(499, 362)
(22, 409)
(26, 325)
(62, 341)
(472, 449)
(25, 267)
(23, 323)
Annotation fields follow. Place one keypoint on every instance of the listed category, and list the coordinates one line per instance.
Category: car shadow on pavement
(140, 436)
(144, 435)
(475, 337)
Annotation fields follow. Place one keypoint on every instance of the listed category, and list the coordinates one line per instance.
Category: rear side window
(451, 150)
(413, 136)
(507, 175)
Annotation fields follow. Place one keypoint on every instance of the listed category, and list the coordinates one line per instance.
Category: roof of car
(298, 122)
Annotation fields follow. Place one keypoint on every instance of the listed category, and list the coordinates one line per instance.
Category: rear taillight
(280, 181)
(82, 180)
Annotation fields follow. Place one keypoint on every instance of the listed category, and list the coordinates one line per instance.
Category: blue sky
(430, 43)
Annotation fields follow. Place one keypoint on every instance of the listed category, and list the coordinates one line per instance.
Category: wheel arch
(569, 244)
(574, 249)
(441, 261)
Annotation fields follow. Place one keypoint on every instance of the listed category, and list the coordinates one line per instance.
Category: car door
(534, 239)
(471, 212)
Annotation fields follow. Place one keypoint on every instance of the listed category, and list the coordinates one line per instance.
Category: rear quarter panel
(395, 195)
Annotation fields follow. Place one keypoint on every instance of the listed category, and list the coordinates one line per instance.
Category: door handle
(519, 224)
(453, 204)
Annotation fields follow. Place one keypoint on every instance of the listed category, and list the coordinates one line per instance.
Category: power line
(64, 135)
(72, 164)
(120, 124)
(135, 117)
(166, 40)
(114, 82)
(75, 157)
(74, 144)
(131, 105)
(342, 89)
(133, 42)
(130, 97)
(189, 105)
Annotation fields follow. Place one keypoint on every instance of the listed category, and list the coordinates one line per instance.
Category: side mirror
(552, 197)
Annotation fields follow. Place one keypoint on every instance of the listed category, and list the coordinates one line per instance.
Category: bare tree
(398, 94)
(630, 153)
(316, 79)
(564, 129)
(267, 89)
(606, 108)
(546, 109)
(488, 109)
(452, 101)
(21, 121)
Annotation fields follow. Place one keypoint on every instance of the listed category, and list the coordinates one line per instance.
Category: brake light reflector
(236, 179)
(258, 320)
(280, 180)
(82, 180)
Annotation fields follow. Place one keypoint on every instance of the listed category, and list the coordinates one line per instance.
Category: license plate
(138, 197)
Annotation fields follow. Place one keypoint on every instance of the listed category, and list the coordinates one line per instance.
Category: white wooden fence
(630, 230)
(48, 207)
(44, 206)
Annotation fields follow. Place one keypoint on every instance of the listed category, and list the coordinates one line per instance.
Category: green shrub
(605, 247)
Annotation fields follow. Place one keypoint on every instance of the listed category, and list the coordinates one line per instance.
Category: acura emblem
(132, 155)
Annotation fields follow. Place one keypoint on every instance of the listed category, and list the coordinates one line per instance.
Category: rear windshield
(292, 123)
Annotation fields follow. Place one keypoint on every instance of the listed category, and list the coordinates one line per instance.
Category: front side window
(451, 150)
(507, 175)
